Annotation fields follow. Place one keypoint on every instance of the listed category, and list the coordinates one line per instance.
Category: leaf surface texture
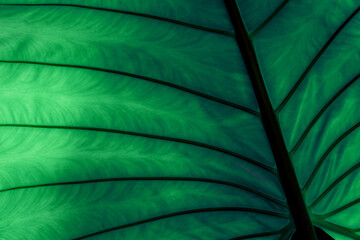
(138, 119)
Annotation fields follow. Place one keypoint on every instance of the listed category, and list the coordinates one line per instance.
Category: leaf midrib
(270, 122)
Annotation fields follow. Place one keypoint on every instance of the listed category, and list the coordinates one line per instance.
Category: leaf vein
(336, 211)
(316, 118)
(317, 57)
(262, 25)
(172, 85)
(186, 179)
(325, 155)
(333, 185)
(172, 139)
(198, 27)
(220, 209)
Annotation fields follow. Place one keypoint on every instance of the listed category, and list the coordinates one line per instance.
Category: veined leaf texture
(139, 119)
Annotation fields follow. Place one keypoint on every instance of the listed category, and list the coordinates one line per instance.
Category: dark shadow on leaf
(321, 235)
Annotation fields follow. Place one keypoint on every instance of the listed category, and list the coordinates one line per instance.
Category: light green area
(60, 96)
(202, 61)
(62, 155)
(347, 217)
(212, 155)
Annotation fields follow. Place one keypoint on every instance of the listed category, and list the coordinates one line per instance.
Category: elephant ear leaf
(141, 120)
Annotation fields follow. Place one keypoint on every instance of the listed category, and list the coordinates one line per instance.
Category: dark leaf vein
(336, 211)
(325, 155)
(333, 185)
(316, 118)
(186, 179)
(172, 139)
(227, 33)
(220, 209)
(317, 57)
(261, 26)
(172, 85)
(264, 234)
(339, 229)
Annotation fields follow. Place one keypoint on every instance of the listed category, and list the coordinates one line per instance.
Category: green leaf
(147, 120)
